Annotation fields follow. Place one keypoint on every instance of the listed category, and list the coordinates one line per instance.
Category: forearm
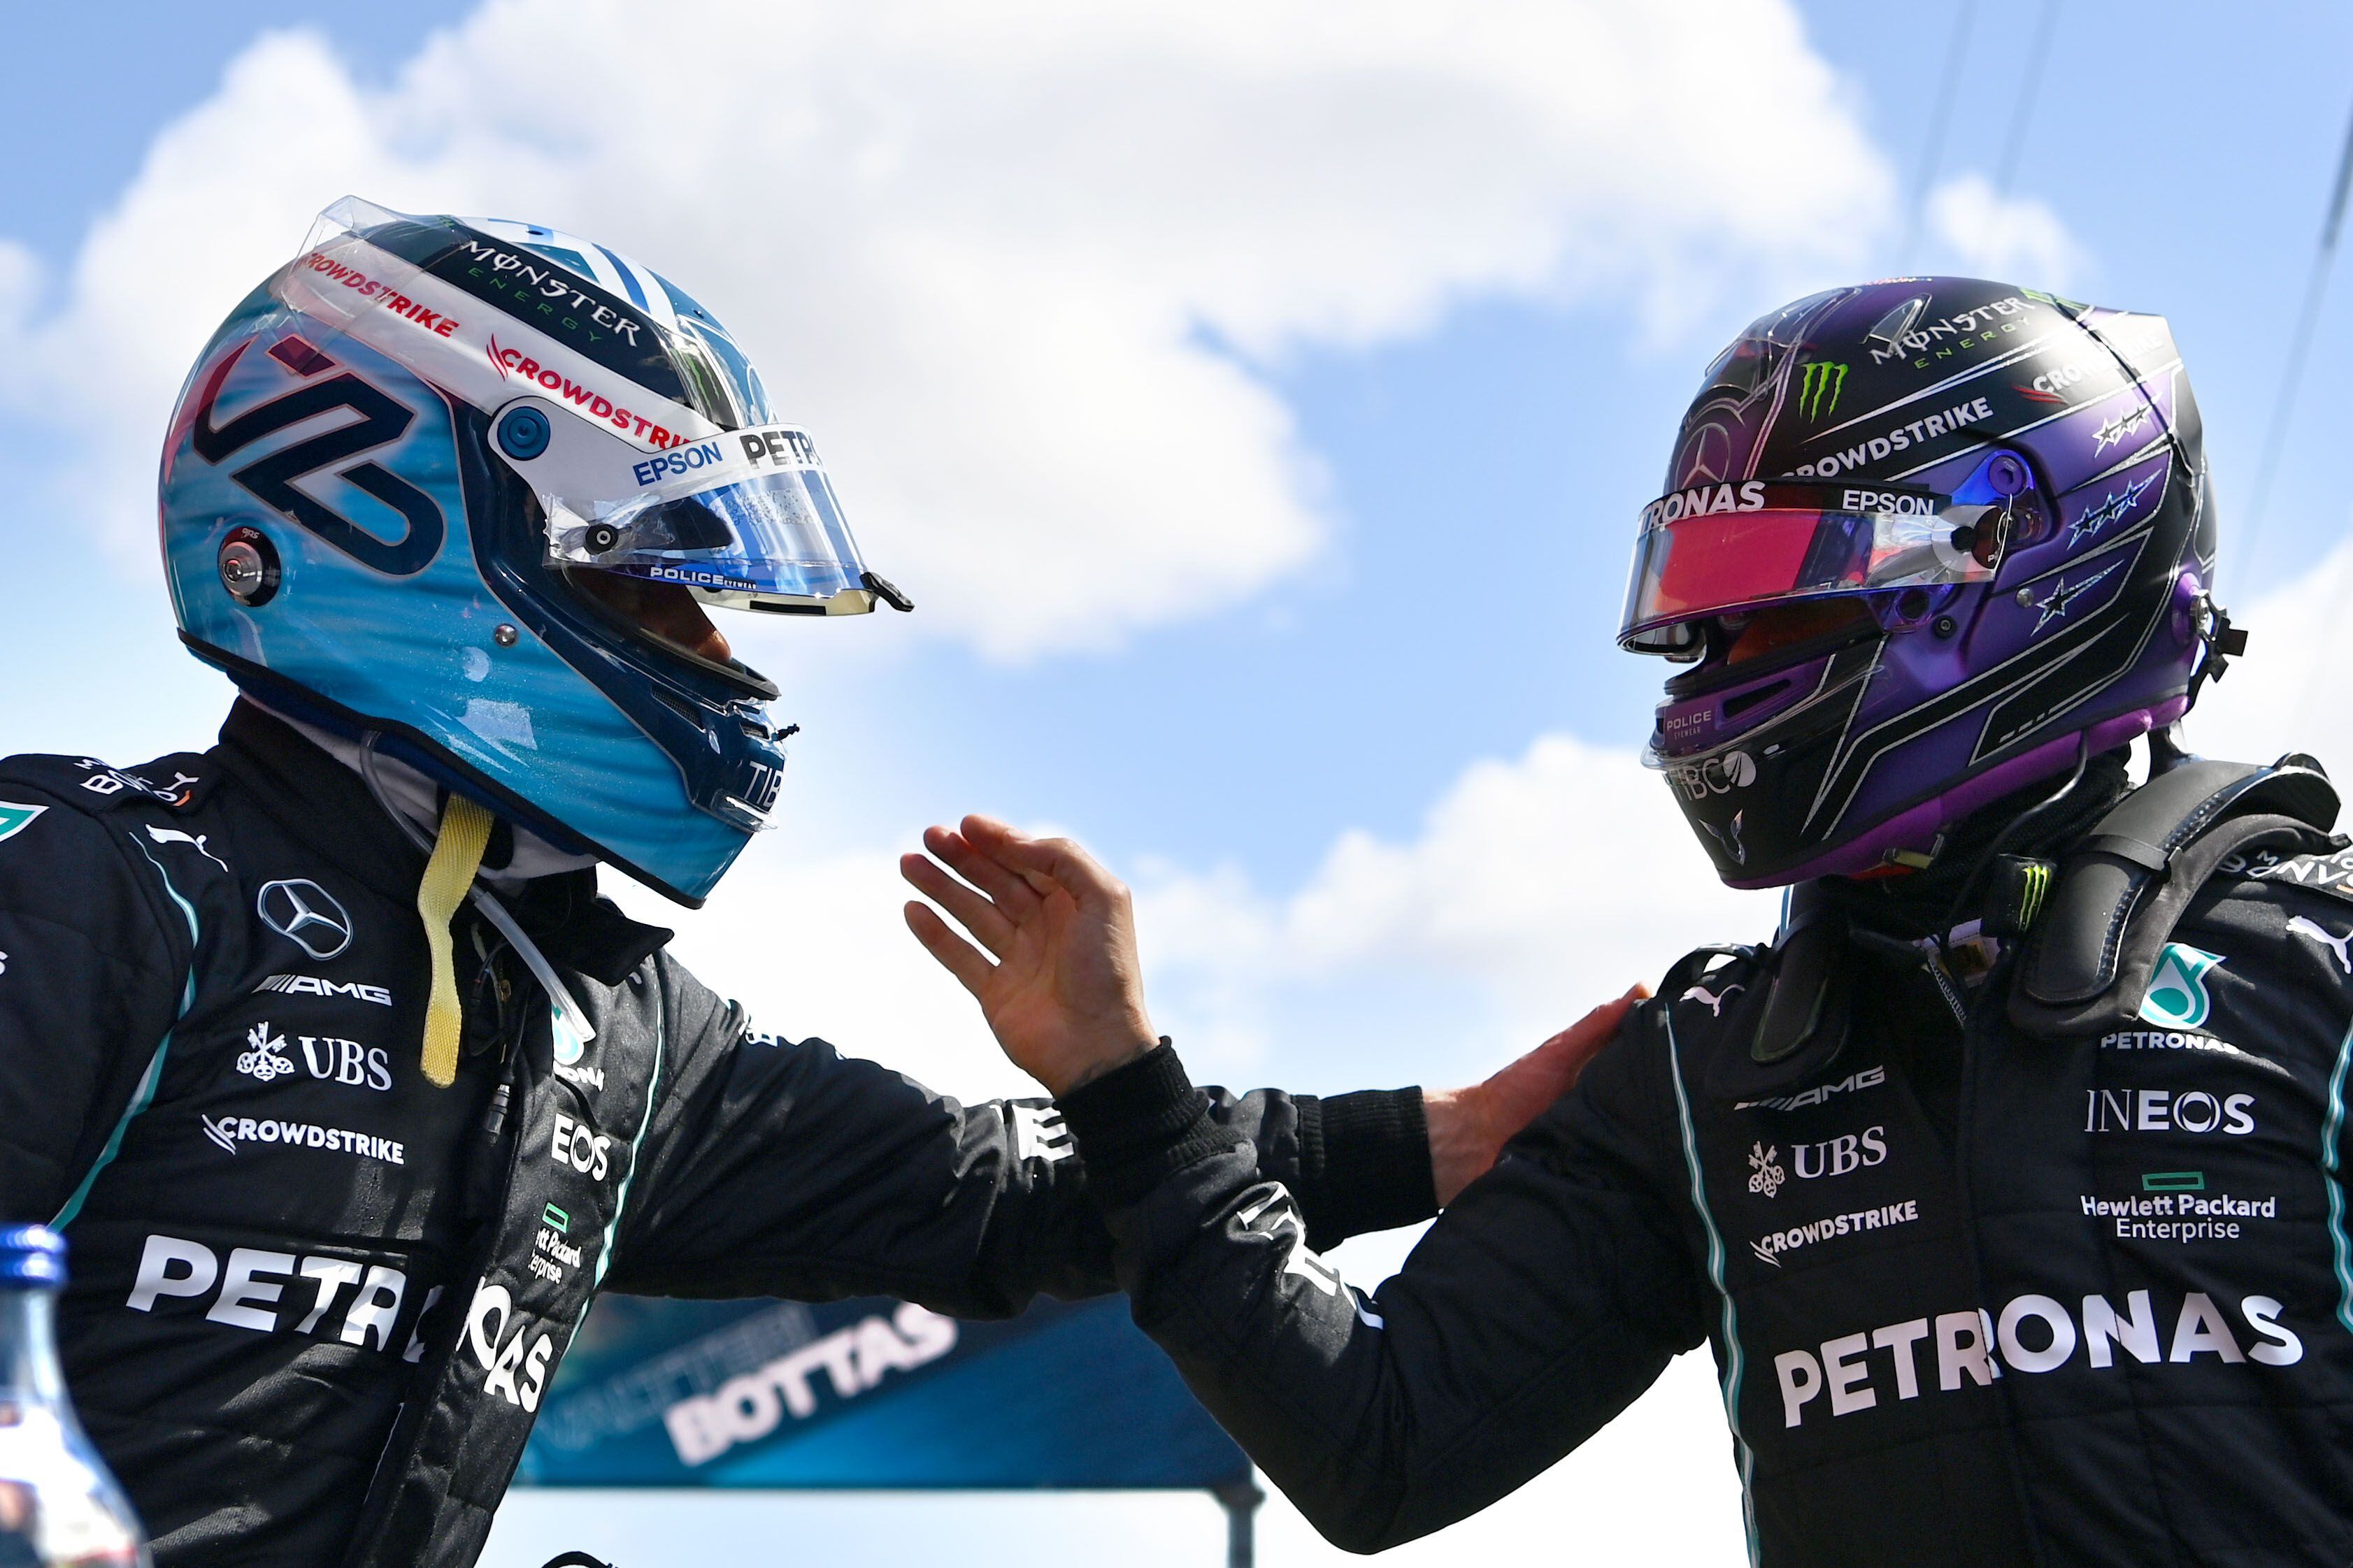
(1503, 1343)
(1356, 1162)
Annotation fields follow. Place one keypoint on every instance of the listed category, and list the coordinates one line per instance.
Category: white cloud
(987, 252)
(1535, 889)
(2014, 238)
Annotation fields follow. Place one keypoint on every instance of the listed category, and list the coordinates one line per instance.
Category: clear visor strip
(482, 353)
(586, 476)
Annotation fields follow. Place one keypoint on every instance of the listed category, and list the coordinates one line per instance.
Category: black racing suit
(314, 1300)
(1978, 1295)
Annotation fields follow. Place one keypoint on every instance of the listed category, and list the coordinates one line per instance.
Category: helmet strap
(457, 855)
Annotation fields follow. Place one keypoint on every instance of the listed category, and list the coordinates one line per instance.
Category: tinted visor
(1718, 550)
(747, 519)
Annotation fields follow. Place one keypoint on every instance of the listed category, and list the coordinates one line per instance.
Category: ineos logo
(305, 914)
(1717, 775)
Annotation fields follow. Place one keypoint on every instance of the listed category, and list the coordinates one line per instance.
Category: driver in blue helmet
(346, 1087)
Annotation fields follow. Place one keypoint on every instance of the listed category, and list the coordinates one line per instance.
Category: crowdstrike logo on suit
(1768, 1249)
(229, 1131)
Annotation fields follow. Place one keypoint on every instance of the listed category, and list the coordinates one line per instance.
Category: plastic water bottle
(58, 1506)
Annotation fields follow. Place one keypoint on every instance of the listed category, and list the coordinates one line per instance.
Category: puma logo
(173, 835)
(2336, 944)
(1715, 1003)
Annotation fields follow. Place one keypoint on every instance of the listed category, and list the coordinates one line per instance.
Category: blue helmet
(456, 482)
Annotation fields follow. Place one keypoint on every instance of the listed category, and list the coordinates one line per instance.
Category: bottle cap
(31, 1255)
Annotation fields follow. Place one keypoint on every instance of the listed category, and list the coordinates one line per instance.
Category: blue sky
(1377, 782)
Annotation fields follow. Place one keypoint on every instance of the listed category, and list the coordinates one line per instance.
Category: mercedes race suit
(1996, 1275)
(315, 1301)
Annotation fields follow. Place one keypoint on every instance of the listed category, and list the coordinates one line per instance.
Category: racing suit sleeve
(783, 1168)
(88, 986)
(1547, 1297)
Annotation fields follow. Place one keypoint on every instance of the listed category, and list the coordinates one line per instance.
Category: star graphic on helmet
(2113, 507)
(2123, 425)
(2055, 605)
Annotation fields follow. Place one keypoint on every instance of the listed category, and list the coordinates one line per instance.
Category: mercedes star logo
(305, 914)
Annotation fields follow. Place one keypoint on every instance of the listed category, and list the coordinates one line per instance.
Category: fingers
(1014, 895)
(1586, 1037)
(974, 912)
(956, 955)
(1045, 863)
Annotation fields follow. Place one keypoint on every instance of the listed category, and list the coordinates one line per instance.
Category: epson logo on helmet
(1887, 503)
(678, 460)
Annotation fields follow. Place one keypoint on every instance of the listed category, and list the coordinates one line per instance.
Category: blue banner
(870, 1394)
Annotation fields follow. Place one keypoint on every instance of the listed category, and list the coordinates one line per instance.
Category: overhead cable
(2292, 373)
(1939, 120)
(2028, 86)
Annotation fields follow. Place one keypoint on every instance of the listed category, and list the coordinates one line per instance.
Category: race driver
(2006, 1183)
(346, 1089)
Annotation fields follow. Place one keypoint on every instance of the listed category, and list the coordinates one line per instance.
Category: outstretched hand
(1064, 992)
(1469, 1127)
(1061, 988)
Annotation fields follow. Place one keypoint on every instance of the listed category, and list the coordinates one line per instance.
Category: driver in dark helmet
(2006, 1183)
(344, 1085)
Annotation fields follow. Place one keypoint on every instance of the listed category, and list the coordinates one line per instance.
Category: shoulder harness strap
(1792, 1022)
(2121, 889)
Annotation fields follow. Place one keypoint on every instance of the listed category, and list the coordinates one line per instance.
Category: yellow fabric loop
(457, 855)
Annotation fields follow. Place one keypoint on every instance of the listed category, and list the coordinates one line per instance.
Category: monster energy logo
(1817, 395)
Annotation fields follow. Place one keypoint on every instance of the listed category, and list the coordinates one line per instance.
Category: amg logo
(1869, 1078)
(312, 985)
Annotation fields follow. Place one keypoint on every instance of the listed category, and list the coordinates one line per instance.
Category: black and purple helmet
(1982, 514)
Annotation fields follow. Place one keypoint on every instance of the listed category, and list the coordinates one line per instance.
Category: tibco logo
(1715, 775)
(746, 1408)
(1974, 1346)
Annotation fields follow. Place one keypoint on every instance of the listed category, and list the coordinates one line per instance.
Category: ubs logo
(305, 914)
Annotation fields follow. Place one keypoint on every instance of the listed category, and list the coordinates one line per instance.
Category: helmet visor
(747, 519)
(1729, 548)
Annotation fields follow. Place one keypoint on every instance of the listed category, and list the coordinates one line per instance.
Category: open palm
(1059, 982)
